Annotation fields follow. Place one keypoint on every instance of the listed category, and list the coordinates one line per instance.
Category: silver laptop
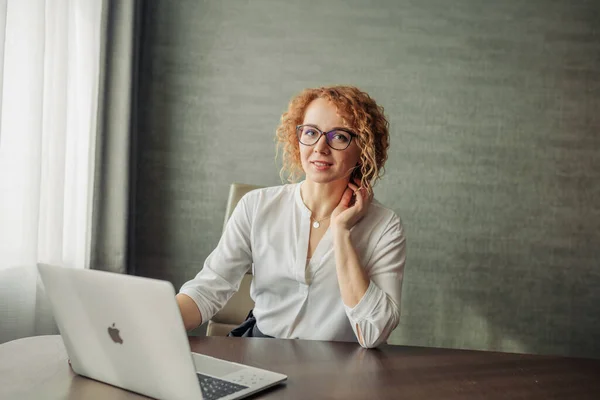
(127, 331)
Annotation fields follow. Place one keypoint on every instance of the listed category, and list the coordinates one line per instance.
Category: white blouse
(268, 231)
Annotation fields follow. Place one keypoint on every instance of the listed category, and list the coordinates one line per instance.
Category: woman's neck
(322, 198)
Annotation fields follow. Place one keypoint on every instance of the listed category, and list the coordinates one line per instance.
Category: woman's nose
(321, 146)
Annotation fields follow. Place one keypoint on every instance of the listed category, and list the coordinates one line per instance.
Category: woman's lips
(321, 165)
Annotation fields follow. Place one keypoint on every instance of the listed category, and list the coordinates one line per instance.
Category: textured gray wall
(495, 158)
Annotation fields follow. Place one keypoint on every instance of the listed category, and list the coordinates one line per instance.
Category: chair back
(240, 304)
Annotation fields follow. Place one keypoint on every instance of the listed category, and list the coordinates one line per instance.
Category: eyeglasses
(337, 139)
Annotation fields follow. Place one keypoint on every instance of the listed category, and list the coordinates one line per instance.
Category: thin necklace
(317, 222)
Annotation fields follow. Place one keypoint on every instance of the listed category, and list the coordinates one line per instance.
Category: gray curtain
(116, 145)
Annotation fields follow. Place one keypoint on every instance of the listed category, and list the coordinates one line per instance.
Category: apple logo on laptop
(114, 334)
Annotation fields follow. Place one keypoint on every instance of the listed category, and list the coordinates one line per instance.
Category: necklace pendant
(316, 224)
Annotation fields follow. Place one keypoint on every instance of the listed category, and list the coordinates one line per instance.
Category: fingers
(359, 195)
(364, 188)
(347, 197)
(353, 186)
(363, 191)
(349, 211)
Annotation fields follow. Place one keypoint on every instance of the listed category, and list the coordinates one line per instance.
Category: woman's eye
(339, 137)
(310, 132)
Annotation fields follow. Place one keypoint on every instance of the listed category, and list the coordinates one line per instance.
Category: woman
(327, 259)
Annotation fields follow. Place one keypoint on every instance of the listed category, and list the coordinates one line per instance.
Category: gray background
(494, 163)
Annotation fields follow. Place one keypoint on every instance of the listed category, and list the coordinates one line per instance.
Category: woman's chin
(326, 179)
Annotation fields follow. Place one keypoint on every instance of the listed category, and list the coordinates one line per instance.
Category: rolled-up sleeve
(378, 312)
(225, 267)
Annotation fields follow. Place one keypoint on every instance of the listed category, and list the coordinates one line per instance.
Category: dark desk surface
(36, 368)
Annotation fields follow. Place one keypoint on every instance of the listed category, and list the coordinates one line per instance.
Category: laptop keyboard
(213, 388)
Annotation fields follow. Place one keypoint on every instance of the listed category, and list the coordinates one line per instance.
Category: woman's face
(321, 163)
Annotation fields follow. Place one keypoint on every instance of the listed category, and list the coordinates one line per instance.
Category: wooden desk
(36, 368)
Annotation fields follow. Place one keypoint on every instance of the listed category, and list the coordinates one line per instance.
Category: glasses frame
(321, 133)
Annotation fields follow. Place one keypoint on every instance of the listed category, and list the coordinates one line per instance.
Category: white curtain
(50, 55)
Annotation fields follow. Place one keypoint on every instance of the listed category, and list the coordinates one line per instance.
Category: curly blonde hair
(358, 111)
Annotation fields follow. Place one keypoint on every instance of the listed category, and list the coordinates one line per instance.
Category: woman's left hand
(352, 207)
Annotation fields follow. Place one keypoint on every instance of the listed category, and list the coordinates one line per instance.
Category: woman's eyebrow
(335, 128)
(332, 129)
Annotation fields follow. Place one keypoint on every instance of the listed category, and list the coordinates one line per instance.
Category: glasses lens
(308, 135)
(339, 140)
